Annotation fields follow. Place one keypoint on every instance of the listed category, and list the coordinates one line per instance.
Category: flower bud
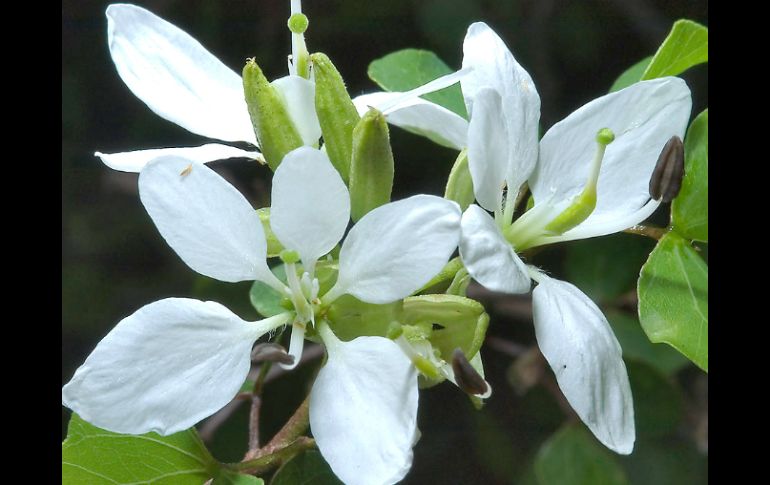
(666, 179)
(459, 186)
(467, 378)
(371, 165)
(273, 126)
(336, 113)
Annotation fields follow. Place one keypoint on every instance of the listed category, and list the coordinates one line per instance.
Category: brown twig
(293, 429)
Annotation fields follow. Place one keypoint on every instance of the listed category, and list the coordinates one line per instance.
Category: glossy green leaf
(657, 401)
(605, 268)
(91, 455)
(673, 298)
(227, 477)
(690, 209)
(264, 298)
(636, 345)
(409, 68)
(308, 468)
(631, 75)
(572, 456)
(686, 45)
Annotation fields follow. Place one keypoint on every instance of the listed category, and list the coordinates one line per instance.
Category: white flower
(184, 83)
(177, 361)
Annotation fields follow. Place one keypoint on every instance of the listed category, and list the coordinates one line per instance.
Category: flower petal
(310, 207)
(488, 149)
(419, 116)
(135, 161)
(299, 95)
(580, 347)
(176, 76)
(643, 117)
(363, 411)
(205, 220)
(164, 368)
(398, 247)
(488, 257)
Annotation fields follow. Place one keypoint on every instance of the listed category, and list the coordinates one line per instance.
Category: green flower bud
(371, 165)
(273, 126)
(456, 321)
(459, 186)
(336, 113)
(274, 246)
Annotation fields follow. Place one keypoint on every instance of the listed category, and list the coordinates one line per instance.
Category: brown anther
(466, 376)
(271, 352)
(666, 179)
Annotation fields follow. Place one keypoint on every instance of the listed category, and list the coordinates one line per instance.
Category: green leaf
(631, 75)
(95, 456)
(264, 298)
(668, 461)
(605, 268)
(308, 468)
(657, 401)
(690, 209)
(636, 345)
(673, 298)
(409, 68)
(573, 457)
(228, 477)
(686, 45)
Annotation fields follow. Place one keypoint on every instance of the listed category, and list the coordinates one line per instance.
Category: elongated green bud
(459, 186)
(371, 165)
(273, 126)
(336, 113)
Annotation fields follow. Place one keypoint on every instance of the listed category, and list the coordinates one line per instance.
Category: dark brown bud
(667, 177)
(270, 352)
(466, 376)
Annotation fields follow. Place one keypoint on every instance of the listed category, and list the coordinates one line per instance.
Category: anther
(666, 179)
(271, 352)
(467, 378)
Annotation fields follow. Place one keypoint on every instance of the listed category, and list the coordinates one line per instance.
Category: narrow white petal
(176, 76)
(310, 206)
(363, 411)
(419, 116)
(398, 247)
(135, 161)
(488, 257)
(205, 220)
(488, 149)
(164, 368)
(583, 352)
(299, 95)
(643, 117)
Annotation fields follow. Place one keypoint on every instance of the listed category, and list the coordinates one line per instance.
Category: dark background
(114, 261)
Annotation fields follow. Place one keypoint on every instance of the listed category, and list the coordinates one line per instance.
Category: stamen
(466, 377)
(296, 344)
(667, 177)
(270, 352)
(422, 364)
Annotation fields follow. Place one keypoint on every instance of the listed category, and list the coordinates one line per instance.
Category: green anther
(272, 123)
(459, 186)
(426, 367)
(336, 113)
(289, 256)
(605, 136)
(298, 23)
(371, 165)
(274, 246)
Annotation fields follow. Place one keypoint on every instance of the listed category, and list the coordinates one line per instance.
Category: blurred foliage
(114, 261)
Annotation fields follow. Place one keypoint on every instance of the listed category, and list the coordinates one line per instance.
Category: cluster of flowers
(177, 361)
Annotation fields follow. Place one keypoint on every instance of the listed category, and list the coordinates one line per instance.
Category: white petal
(299, 95)
(488, 257)
(398, 247)
(495, 67)
(643, 117)
(205, 220)
(310, 206)
(164, 368)
(135, 161)
(363, 411)
(419, 116)
(583, 352)
(176, 76)
(488, 149)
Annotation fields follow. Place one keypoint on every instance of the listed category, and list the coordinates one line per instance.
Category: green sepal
(461, 322)
(336, 113)
(274, 246)
(350, 317)
(459, 186)
(272, 123)
(371, 165)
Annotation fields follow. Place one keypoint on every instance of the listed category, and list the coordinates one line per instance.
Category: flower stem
(275, 459)
(297, 424)
(256, 405)
(649, 231)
